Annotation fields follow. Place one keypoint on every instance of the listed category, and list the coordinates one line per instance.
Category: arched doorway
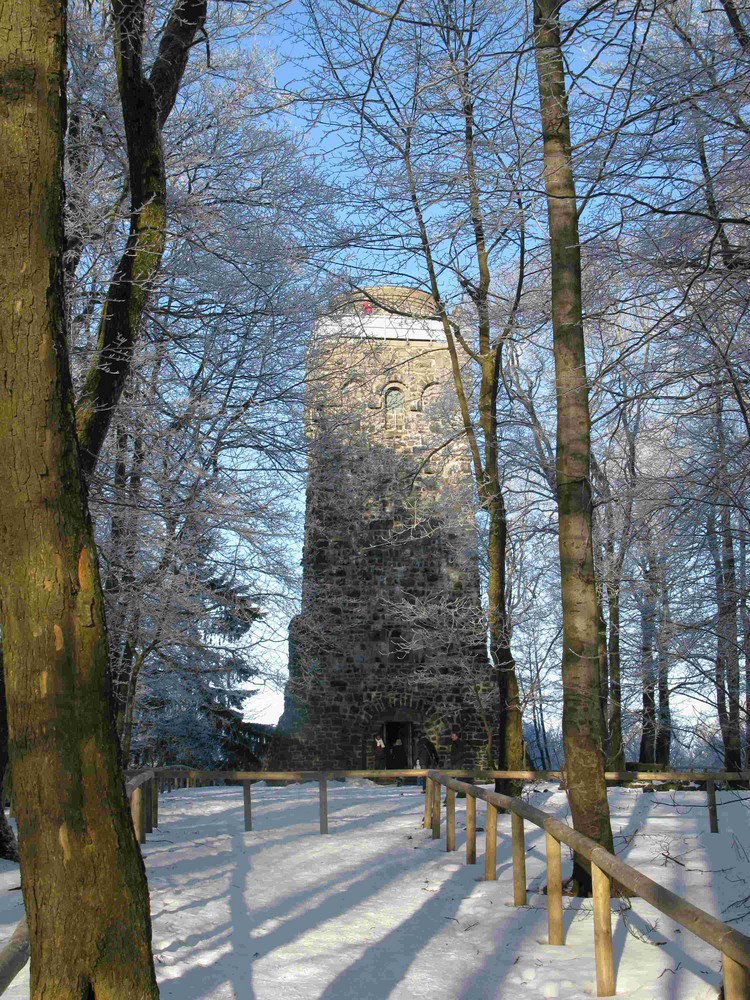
(393, 718)
(399, 744)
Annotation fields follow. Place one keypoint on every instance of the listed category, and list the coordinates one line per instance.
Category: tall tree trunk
(83, 878)
(733, 750)
(616, 759)
(126, 732)
(664, 716)
(603, 669)
(720, 665)
(648, 666)
(582, 731)
(721, 545)
(745, 619)
(510, 737)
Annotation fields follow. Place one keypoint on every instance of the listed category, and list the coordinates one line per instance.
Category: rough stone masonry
(390, 640)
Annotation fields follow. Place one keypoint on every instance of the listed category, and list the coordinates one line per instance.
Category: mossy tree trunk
(83, 879)
(582, 728)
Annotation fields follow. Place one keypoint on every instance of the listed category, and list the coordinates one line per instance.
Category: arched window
(394, 409)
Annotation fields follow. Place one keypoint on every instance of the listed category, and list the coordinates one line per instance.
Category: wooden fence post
(471, 829)
(428, 803)
(148, 802)
(713, 816)
(554, 890)
(436, 811)
(155, 803)
(323, 785)
(137, 811)
(247, 804)
(490, 843)
(605, 971)
(450, 819)
(736, 979)
(519, 860)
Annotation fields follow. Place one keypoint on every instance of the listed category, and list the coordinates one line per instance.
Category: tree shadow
(288, 929)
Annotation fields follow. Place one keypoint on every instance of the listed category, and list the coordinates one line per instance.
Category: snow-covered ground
(377, 909)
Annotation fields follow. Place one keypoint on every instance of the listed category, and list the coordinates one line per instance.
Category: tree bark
(582, 731)
(83, 878)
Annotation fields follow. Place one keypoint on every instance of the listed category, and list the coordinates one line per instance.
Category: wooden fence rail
(189, 777)
(731, 943)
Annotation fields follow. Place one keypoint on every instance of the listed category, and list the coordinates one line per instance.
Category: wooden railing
(143, 788)
(167, 778)
(733, 945)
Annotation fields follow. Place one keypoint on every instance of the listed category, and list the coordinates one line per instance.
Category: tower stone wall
(389, 641)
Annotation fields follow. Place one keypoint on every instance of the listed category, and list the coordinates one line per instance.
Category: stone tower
(389, 640)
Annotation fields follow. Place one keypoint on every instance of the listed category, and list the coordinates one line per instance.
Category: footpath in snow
(377, 909)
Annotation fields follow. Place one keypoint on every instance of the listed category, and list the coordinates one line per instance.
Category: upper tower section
(379, 365)
(383, 312)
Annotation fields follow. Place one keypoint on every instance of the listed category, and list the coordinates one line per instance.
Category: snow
(377, 909)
